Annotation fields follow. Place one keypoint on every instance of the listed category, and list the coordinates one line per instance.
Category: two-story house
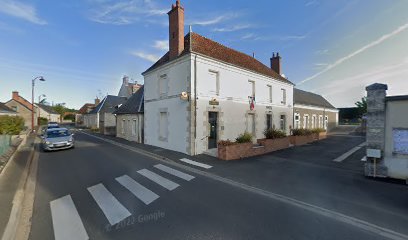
(201, 92)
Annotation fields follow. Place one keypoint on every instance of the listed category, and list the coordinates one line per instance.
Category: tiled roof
(310, 99)
(212, 49)
(5, 109)
(47, 108)
(84, 109)
(134, 105)
(108, 104)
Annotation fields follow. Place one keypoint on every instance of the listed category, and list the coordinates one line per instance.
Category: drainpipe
(195, 104)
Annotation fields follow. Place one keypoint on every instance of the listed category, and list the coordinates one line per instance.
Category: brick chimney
(176, 30)
(97, 101)
(276, 63)
(15, 96)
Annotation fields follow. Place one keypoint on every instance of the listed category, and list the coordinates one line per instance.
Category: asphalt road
(97, 176)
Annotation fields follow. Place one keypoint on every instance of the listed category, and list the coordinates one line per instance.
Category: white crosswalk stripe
(144, 194)
(66, 221)
(114, 211)
(198, 164)
(164, 182)
(174, 172)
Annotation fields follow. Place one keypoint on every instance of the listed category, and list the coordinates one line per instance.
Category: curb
(12, 229)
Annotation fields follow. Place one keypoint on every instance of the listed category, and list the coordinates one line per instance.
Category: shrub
(225, 143)
(245, 137)
(318, 130)
(301, 132)
(42, 121)
(11, 125)
(274, 134)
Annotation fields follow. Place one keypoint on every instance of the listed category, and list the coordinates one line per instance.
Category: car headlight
(70, 140)
(48, 143)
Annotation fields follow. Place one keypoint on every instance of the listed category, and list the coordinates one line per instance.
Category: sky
(83, 47)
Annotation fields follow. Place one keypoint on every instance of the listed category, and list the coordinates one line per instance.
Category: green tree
(362, 106)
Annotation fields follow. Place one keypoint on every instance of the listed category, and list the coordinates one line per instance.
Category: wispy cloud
(21, 10)
(310, 3)
(233, 28)
(146, 56)
(213, 20)
(124, 12)
(254, 37)
(162, 45)
(357, 52)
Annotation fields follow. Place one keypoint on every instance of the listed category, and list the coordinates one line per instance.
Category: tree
(60, 109)
(362, 106)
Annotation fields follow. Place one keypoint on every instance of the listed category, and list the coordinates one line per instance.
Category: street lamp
(40, 78)
(39, 102)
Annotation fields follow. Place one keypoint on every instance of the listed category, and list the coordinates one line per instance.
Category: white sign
(373, 153)
(400, 137)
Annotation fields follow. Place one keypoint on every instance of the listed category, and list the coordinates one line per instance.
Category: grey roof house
(130, 118)
(312, 110)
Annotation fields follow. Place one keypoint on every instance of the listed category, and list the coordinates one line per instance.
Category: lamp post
(39, 102)
(40, 78)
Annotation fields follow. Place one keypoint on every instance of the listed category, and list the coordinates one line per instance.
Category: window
(15, 108)
(163, 125)
(123, 126)
(283, 96)
(297, 120)
(213, 83)
(283, 122)
(326, 122)
(163, 86)
(306, 121)
(320, 121)
(135, 127)
(400, 140)
(251, 88)
(270, 93)
(314, 121)
(269, 121)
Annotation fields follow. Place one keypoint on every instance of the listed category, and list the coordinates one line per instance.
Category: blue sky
(83, 48)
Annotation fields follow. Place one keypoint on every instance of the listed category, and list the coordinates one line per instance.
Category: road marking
(164, 182)
(355, 222)
(144, 194)
(66, 221)
(195, 163)
(174, 172)
(349, 153)
(110, 206)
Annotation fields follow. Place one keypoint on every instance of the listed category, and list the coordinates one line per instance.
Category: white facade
(130, 127)
(178, 125)
(51, 117)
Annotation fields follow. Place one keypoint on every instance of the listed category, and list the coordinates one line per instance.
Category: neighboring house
(128, 88)
(387, 134)
(22, 107)
(129, 118)
(4, 110)
(102, 117)
(313, 111)
(201, 92)
(47, 112)
(85, 109)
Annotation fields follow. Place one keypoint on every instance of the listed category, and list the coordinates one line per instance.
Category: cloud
(146, 56)
(21, 10)
(310, 3)
(233, 28)
(254, 37)
(357, 52)
(124, 12)
(322, 52)
(214, 20)
(162, 45)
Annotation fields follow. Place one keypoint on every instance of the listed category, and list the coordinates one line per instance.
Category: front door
(212, 138)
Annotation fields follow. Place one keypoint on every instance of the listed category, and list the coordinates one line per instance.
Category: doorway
(213, 136)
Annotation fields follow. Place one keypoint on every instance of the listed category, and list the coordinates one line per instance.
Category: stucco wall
(23, 112)
(396, 117)
(91, 120)
(178, 77)
(310, 111)
(128, 129)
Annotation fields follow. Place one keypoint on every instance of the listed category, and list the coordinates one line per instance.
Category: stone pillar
(376, 94)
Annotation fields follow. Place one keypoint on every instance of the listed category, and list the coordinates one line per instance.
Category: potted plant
(274, 140)
(228, 150)
(319, 133)
(301, 136)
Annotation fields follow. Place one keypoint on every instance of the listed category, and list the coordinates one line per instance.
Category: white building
(219, 85)
(47, 112)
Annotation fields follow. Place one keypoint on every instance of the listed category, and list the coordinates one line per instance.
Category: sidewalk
(10, 179)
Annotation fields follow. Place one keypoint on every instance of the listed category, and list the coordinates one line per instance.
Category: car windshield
(51, 127)
(58, 133)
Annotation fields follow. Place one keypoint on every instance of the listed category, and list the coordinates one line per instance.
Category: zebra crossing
(67, 222)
